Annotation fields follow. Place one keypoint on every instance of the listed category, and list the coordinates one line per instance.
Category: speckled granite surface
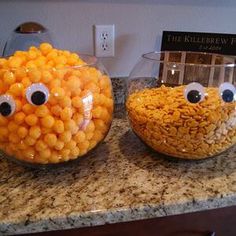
(119, 87)
(121, 180)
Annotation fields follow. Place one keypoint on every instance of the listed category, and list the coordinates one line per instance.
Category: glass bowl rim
(147, 57)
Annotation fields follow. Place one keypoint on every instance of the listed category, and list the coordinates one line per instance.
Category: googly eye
(7, 105)
(194, 92)
(227, 92)
(37, 94)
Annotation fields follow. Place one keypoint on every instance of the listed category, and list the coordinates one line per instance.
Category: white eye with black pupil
(37, 94)
(194, 92)
(7, 105)
(227, 92)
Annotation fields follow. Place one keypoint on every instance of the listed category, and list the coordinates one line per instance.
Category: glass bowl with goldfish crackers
(55, 105)
(183, 104)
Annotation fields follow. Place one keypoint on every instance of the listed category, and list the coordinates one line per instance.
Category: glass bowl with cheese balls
(55, 105)
(183, 104)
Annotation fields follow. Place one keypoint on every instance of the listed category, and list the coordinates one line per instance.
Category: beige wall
(139, 23)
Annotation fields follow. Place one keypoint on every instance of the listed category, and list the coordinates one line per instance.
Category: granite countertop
(122, 180)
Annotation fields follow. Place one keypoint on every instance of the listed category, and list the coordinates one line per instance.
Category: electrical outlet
(104, 40)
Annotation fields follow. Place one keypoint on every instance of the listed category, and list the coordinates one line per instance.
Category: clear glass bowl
(54, 115)
(182, 104)
(26, 35)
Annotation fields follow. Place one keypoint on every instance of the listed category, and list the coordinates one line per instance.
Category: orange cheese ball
(19, 117)
(47, 121)
(22, 132)
(74, 117)
(16, 89)
(41, 111)
(31, 119)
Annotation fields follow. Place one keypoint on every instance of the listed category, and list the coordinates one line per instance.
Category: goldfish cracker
(74, 116)
(178, 128)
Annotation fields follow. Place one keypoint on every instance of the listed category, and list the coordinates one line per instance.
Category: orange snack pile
(74, 119)
(169, 124)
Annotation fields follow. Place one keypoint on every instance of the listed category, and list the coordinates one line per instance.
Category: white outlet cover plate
(104, 40)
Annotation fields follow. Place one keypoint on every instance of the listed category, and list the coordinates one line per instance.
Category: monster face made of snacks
(186, 121)
(54, 105)
(183, 103)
